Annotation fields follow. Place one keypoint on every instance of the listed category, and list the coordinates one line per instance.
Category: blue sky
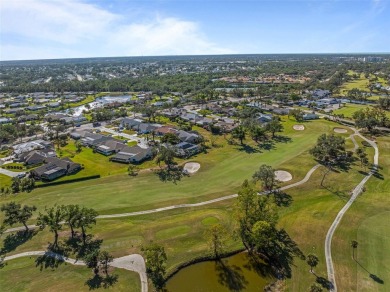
(42, 29)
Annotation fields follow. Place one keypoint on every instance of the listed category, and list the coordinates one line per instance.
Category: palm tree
(354, 245)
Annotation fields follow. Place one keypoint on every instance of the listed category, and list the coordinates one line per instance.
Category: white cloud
(55, 28)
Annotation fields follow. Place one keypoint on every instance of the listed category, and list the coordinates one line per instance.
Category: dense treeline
(189, 74)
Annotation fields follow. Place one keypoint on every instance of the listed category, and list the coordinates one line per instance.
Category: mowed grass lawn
(22, 275)
(349, 109)
(222, 171)
(181, 231)
(368, 222)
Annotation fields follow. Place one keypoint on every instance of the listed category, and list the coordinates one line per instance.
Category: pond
(235, 273)
(99, 102)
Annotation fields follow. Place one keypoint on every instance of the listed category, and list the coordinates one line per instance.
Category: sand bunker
(340, 130)
(299, 127)
(283, 176)
(191, 167)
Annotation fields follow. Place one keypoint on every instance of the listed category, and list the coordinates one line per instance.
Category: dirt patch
(191, 167)
(340, 130)
(283, 176)
(298, 127)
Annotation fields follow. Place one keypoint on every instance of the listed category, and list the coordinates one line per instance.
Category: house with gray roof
(54, 168)
(133, 154)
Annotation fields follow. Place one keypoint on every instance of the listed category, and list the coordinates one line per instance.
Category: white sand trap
(191, 167)
(299, 127)
(340, 130)
(282, 175)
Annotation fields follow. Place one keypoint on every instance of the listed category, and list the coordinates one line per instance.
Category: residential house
(281, 111)
(130, 123)
(161, 131)
(320, 93)
(146, 128)
(35, 157)
(35, 107)
(54, 168)
(30, 146)
(109, 146)
(264, 118)
(189, 137)
(191, 117)
(4, 120)
(25, 118)
(185, 149)
(133, 154)
(311, 116)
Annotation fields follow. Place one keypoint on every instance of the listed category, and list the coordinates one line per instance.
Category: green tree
(315, 288)
(26, 184)
(266, 175)
(52, 218)
(329, 151)
(156, 261)
(297, 114)
(15, 185)
(258, 133)
(170, 138)
(239, 133)
(354, 245)
(362, 155)
(132, 170)
(91, 260)
(105, 258)
(312, 260)
(251, 208)
(71, 213)
(78, 146)
(166, 155)
(274, 126)
(14, 213)
(370, 118)
(216, 237)
(263, 234)
(85, 220)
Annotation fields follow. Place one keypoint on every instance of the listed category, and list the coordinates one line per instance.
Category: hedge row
(67, 181)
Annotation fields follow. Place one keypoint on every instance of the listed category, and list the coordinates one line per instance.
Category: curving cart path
(304, 180)
(355, 193)
(134, 262)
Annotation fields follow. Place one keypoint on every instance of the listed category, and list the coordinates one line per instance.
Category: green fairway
(366, 222)
(222, 171)
(181, 231)
(349, 109)
(22, 275)
(372, 254)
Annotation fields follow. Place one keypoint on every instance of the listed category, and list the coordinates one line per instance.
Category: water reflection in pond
(239, 272)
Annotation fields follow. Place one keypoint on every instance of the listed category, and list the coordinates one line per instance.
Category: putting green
(210, 221)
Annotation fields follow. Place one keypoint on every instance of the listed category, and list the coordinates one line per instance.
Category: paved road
(358, 189)
(133, 262)
(140, 141)
(10, 173)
